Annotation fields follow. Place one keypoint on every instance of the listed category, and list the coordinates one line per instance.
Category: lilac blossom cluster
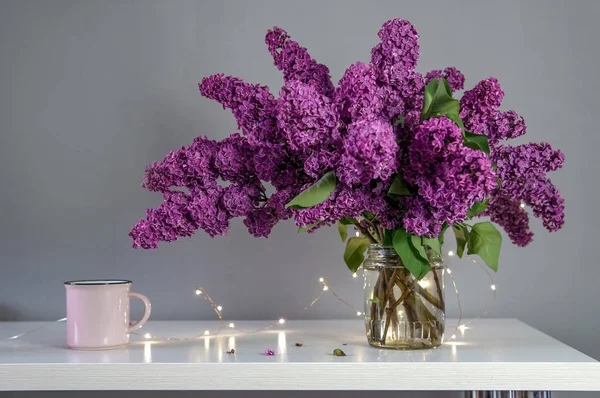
(370, 132)
(450, 177)
(453, 76)
(521, 169)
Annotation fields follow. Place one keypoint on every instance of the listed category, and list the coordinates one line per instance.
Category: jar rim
(379, 251)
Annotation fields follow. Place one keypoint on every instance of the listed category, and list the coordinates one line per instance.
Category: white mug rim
(97, 282)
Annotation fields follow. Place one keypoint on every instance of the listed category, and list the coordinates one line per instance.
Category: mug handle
(147, 310)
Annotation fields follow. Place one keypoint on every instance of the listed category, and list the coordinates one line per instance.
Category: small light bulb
(231, 325)
(357, 234)
(450, 253)
(358, 313)
(462, 327)
(493, 287)
(148, 335)
(354, 275)
(219, 308)
(206, 332)
(325, 288)
(424, 283)
(321, 280)
(198, 292)
(453, 336)
(282, 321)
(449, 271)
(522, 205)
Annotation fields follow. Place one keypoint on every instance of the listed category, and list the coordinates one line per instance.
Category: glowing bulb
(357, 234)
(522, 205)
(321, 280)
(325, 288)
(453, 336)
(450, 253)
(219, 308)
(449, 271)
(198, 292)
(493, 287)
(354, 275)
(462, 328)
(206, 332)
(424, 284)
(148, 336)
(358, 313)
(282, 321)
(231, 325)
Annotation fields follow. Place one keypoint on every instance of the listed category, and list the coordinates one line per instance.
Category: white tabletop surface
(491, 354)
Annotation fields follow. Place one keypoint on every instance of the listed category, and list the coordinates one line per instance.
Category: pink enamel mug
(98, 313)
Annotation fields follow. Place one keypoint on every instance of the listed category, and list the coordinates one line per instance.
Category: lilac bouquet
(388, 150)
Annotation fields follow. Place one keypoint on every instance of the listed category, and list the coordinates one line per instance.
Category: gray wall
(92, 91)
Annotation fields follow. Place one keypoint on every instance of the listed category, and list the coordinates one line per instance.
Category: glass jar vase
(402, 312)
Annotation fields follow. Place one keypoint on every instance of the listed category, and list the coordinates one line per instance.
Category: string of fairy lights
(325, 289)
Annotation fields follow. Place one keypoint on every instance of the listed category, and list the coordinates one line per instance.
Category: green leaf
(374, 300)
(369, 216)
(348, 220)
(399, 188)
(387, 237)
(343, 230)
(315, 194)
(442, 102)
(354, 253)
(307, 228)
(477, 208)
(476, 141)
(456, 119)
(417, 244)
(461, 233)
(409, 255)
(446, 86)
(433, 244)
(485, 241)
(429, 94)
(442, 232)
(338, 353)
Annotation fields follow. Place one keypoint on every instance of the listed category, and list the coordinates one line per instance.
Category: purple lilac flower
(187, 167)
(169, 221)
(234, 159)
(239, 200)
(349, 201)
(454, 77)
(507, 212)
(394, 60)
(369, 152)
(252, 105)
(480, 114)
(357, 96)
(260, 222)
(342, 202)
(522, 170)
(397, 54)
(208, 210)
(307, 119)
(450, 177)
(279, 199)
(180, 215)
(295, 62)
(269, 352)
(433, 74)
(319, 162)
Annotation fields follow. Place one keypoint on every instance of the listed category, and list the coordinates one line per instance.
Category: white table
(492, 354)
